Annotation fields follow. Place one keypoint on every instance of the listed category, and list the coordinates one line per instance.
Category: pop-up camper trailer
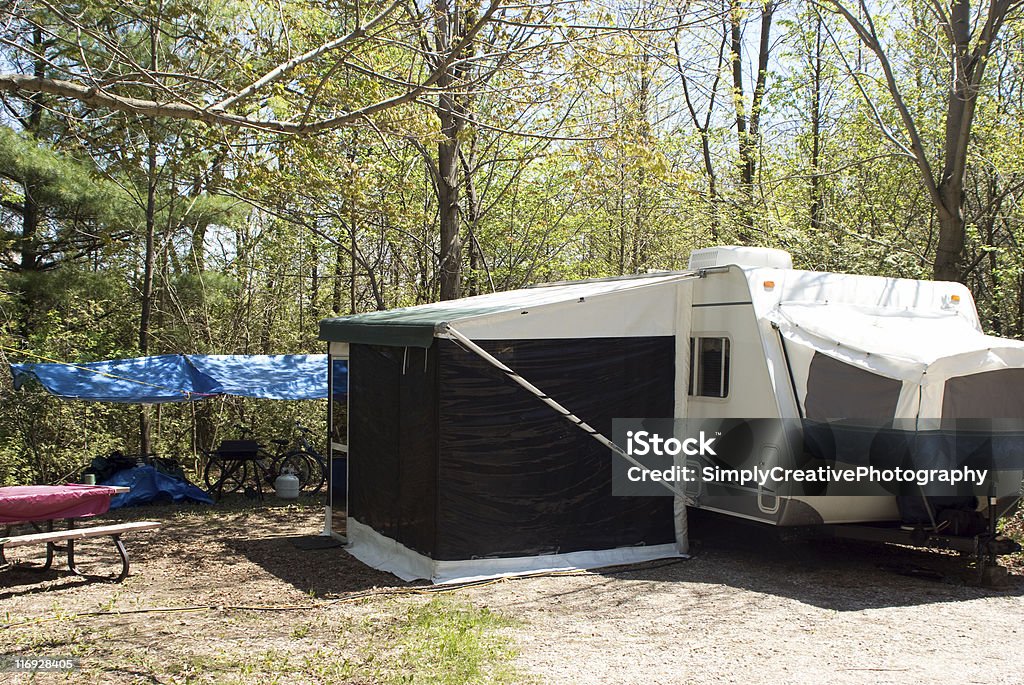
(465, 452)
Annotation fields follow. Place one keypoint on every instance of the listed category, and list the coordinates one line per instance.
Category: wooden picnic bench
(53, 538)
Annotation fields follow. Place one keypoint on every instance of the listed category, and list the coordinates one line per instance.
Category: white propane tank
(287, 486)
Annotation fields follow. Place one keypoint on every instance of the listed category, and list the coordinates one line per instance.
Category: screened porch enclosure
(454, 462)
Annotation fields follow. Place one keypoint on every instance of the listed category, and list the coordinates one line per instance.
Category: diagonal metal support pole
(468, 344)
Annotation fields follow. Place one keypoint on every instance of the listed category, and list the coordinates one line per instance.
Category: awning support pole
(566, 414)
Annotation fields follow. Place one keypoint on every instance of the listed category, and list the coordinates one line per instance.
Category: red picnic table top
(21, 503)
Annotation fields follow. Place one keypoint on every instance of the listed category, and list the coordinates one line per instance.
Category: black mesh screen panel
(991, 394)
(837, 390)
(393, 442)
(516, 478)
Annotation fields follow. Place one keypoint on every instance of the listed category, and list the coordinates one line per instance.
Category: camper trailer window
(709, 368)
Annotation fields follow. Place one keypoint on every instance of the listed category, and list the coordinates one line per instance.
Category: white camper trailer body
(746, 327)
(855, 318)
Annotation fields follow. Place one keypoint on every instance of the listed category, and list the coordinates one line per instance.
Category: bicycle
(305, 462)
(236, 462)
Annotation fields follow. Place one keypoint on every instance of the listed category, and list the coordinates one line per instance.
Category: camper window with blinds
(709, 372)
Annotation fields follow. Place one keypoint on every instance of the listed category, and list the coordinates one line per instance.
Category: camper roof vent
(740, 256)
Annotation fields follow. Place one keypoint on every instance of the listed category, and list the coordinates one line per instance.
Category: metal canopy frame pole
(328, 513)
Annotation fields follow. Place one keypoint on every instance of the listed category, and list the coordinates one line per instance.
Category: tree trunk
(816, 196)
(450, 114)
(339, 273)
(450, 266)
(997, 300)
(29, 228)
(736, 54)
(314, 287)
(639, 253)
(705, 127)
(950, 247)
(28, 244)
(473, 282)
(472, 221)
(146, 313)
(960, 105)
(30, 218)
(748, 124)
(209, 185)
(352, 258)
(966, 81)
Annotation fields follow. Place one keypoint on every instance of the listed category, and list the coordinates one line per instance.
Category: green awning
(404, 327)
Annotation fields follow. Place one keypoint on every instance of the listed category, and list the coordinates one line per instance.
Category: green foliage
(449, 642)
(58, 180)
(80, 212)
(258, 237)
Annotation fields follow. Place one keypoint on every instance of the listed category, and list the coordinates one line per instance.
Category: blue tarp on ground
(149, 485)
(184, 378)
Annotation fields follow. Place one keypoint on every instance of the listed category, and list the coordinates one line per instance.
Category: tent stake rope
(566, 414)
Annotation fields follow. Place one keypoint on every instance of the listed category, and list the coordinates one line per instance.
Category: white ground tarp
(381, 552)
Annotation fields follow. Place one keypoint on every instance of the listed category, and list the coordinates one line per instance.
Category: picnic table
(41, 505)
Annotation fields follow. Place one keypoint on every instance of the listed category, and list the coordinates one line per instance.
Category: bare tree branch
(174, 107)
(869, 38)
(285, 68)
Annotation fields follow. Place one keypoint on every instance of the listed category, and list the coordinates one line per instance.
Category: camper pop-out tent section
(459, 468)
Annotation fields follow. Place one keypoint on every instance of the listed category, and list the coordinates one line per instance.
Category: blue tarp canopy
(184, 378)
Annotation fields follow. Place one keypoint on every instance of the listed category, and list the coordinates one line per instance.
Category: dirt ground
(744, 609)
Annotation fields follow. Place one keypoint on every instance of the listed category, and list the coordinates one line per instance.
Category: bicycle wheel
(265, 470)
(318, 476)
(225, 475)
(298, 463)
(307, 468)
